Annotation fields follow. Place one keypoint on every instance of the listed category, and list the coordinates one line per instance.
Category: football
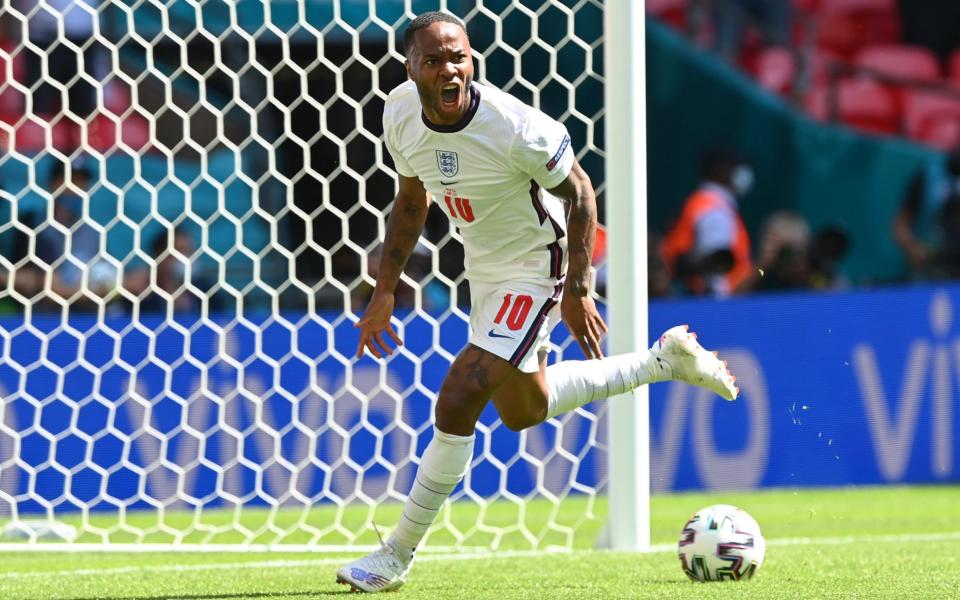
(720, 543)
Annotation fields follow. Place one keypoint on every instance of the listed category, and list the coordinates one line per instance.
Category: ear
(409, 67)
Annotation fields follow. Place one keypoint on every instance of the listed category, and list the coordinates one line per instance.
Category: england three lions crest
(447, 161)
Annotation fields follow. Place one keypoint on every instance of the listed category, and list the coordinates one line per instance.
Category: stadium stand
(153, 205)
(776, 70)
(845, 26)
(861, 103)
(672, 12)
(902, 62)
(851, 53)
(932, 118)
(905, 61)
(954, 67)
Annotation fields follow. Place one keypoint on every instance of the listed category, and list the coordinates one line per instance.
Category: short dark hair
(422, 22)
(719, 161)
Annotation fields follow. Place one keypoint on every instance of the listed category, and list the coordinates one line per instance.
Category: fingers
(590, 346)
(589, 339)
(394, 336)
(602, 323)
(588, 328)
(375, 342)
(373, 348)
(595, 347)
(385, 347)
(584, 346)
(598, 328)
(364, 338)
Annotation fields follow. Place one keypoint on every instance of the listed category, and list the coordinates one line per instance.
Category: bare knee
(520, 420)
(521, 407)
(457, 412)
(474, 376)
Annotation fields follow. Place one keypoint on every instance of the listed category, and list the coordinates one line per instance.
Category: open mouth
(450, 94)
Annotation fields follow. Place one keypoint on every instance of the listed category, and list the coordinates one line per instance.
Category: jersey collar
(463, 122)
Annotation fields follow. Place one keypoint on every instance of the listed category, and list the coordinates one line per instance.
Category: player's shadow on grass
(275, 594)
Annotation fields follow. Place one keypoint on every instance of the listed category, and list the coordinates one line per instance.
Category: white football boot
(380, 571)
(688, 361)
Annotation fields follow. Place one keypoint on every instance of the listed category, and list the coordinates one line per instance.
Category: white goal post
(625, 98)
(192, 198)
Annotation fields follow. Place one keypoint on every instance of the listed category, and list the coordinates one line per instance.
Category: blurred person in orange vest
(708, 249)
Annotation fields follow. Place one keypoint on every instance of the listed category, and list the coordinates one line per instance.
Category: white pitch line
(287, 564)
(867, 539)
(170, 568)
(845, 540)
(263, 564)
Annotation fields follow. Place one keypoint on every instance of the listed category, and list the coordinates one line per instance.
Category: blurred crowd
(733, 28)
(62, 261)
(707, 250)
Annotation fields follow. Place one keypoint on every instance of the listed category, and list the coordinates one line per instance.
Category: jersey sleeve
(390, 132)
(542, 150)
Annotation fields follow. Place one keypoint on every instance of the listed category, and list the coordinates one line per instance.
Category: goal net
(192, 198)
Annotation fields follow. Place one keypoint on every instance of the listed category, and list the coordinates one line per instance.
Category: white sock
(573, 383)
(442, 466)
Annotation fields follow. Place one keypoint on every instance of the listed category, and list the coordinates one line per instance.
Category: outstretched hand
(584, 322)
(374, 324)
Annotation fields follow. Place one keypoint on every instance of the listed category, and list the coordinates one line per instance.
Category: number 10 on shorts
(518, 307)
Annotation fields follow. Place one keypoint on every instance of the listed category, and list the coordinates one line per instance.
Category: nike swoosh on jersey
(442, 182)
(494, 334)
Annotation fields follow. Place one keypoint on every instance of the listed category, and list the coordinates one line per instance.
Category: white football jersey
(489, 173)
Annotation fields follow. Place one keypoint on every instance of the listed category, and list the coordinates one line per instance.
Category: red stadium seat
(861, 103)
(845, 26)
(907, 62)
(932, 118)
(30, 134)
(944, 136)
(673, 12)
(954, 66)
(776, 70)
(821, 61)
(888, 6)
(11, 100)
(103, 134)
(133, 131)
(807, 6)
(910, 62)
(11, 105)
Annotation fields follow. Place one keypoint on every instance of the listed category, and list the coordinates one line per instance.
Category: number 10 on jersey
(459, 208)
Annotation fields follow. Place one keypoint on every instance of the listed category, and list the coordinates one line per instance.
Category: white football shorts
(514, 320)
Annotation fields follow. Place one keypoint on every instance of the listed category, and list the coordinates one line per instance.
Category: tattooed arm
(577, 307)
(403, 230)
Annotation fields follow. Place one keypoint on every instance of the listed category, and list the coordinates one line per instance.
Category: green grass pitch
(890, 542)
